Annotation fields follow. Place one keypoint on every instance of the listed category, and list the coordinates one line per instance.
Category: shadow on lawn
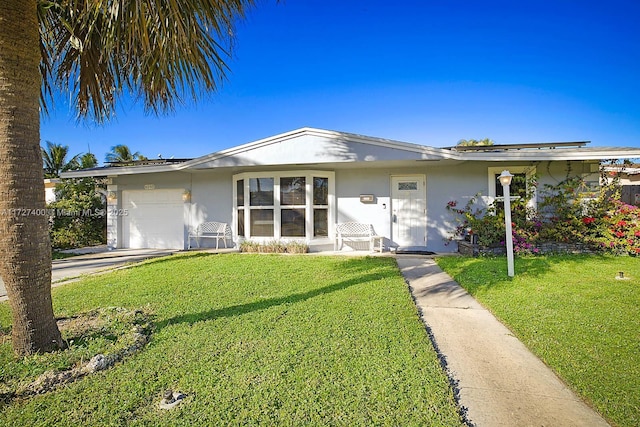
(240, 309)
(533, 265)
(178, 256)
(486, 272)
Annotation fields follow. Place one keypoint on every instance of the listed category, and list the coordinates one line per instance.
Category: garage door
(155, 219)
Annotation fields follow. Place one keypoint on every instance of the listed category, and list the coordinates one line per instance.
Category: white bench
(211, 230)
(356, 231)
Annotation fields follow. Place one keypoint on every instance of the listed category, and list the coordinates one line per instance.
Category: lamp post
(505, 179)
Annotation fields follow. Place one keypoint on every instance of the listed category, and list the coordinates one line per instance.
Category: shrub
(274, 246)
(250, 246)
(568, 212)
(78, 214)
(297, 248)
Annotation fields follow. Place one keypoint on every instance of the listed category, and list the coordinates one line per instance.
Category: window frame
(278, 207)
(529, 171)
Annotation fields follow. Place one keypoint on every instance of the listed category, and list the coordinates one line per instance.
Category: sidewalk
(498, 381)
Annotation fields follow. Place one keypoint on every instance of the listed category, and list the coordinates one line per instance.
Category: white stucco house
(298, 185)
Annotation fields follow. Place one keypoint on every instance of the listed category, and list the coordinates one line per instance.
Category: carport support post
(505, 180)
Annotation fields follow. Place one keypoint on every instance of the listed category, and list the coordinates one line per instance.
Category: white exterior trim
(277, 207)
(529, 171)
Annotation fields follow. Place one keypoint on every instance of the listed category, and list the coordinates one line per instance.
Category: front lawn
(575, 315)
(252, 340)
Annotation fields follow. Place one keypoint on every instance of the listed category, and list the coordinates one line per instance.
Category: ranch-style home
(301, 184)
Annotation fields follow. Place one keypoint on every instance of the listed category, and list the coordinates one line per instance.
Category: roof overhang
(324, 148)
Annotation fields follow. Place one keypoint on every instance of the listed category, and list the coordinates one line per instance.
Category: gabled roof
(308, 146)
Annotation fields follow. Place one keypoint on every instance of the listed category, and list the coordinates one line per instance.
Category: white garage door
(155, 219)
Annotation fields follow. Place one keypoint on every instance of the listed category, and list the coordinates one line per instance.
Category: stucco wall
(459, 182)
(211, 198)
(350, 184)
(212, 191)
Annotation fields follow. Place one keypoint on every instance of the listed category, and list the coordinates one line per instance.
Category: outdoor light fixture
(112, 197)
(505, 179)
(186, 196)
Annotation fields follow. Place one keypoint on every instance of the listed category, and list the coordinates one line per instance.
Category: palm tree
(122, 153)
(98, 51)
(88, 160)
(55, 160)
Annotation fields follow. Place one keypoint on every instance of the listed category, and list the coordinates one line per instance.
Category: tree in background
(122, 153)
(79, 214)
(54, 159)
(87, 161)
(474, 142)
(97, 51)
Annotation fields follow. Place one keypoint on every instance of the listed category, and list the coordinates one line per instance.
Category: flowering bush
(619, 231)
(567, 212)
(486, 224)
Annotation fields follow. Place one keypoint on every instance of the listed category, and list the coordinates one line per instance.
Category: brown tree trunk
(25, 252)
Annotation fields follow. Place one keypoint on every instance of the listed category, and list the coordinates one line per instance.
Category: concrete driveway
(65, 269)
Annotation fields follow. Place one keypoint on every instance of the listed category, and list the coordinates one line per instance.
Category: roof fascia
(560, 154)
(115, 171)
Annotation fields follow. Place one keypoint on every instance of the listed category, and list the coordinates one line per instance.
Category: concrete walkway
(499, 382)
(66, 269)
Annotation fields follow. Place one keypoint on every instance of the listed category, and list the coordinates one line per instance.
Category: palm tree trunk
(25, 252)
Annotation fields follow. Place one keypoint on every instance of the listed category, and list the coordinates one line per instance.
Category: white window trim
(276, 175)
(529, 172)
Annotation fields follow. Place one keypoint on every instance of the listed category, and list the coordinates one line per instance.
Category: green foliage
(87, 161)
(54, 159)
(475, 142)
(488, 223)
(255, 340)
(568, 212)
(163, 56)
(78, 216)
(122, 153)
(574, 313)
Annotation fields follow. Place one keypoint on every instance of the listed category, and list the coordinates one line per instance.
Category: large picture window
(261, 191)
(295, 204)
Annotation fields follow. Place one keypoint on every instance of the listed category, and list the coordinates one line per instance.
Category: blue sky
(426, 72)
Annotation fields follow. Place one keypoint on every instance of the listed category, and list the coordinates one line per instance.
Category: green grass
(575, 315)
(255, 340)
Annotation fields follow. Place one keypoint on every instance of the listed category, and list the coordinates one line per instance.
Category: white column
(508, 233)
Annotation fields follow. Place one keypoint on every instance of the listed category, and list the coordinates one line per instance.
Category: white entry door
(409, 210)
(154, 219)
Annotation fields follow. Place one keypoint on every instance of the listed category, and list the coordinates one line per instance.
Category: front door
(409, 210)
